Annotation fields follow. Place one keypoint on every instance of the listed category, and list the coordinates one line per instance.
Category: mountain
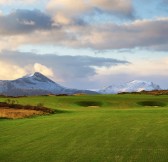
(133, 86)
(36, 84)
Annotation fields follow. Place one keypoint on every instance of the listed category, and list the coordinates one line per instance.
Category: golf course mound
(17, 111)
(89, 103)
(152, 103)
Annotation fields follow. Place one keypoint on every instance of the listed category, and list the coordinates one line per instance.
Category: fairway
(91, 128)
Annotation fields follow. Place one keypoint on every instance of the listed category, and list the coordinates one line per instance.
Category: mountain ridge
(132, 86)
(35, 84)
(39, 84)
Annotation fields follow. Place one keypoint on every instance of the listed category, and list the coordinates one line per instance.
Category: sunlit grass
(117, 130)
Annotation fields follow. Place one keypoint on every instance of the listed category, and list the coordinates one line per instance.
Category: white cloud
(43, 69)
(58, 67)
(74, 7)
(90, 72)
(150, 34)
(36, 27)
(151, 70)
(1, 13)
(70, 9)
(6, 2)
(10, 71)
(142, 68)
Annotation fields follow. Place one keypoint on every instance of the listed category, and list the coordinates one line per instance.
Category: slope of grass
(119, 130)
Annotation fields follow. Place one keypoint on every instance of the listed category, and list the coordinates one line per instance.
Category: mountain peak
(35, 84)
(38, 74)
(137, 81)
(133, 86)
(40, 77)
(140, 81)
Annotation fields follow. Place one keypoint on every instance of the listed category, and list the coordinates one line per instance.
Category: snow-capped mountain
(36, 84)
(133, 86)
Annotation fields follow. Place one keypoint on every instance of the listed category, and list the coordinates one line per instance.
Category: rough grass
(119, 131)
(15, 111)
(18, 113)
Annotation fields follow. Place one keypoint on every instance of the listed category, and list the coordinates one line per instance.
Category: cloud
(151, 70)
(140, 33)
(66, 11)
(43, 69)
(35, 27)
(10, 71)
(83, 71)
(7, 2)
(148, 68)
(63, 67)
(13, 71)
(149, 34)
(114, 6)
(24, 21)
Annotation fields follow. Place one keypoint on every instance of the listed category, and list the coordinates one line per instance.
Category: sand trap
(94, 106)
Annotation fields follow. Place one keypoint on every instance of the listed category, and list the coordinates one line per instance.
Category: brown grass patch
(14, 113)
(79, 94)
(154, 92)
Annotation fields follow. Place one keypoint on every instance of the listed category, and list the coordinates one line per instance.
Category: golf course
(88, 128)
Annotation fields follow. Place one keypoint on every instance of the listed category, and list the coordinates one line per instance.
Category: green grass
(119, 129)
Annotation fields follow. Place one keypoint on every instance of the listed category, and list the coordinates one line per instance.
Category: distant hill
(153, 92)
(35, 84)
(133, 86)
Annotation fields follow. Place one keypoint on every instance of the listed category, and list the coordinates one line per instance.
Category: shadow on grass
(89, 103)
(152, 103)
(4, 118)
(56, 111)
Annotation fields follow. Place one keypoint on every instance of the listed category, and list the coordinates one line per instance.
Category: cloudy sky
(85, 43)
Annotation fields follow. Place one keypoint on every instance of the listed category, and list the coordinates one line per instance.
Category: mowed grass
(93, 128)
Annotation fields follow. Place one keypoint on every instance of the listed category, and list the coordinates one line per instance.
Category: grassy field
(98, 128)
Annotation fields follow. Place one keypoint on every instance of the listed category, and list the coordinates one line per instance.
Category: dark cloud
(24, 21)
(65, 67)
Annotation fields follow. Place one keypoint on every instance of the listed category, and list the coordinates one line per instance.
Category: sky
(85, 44)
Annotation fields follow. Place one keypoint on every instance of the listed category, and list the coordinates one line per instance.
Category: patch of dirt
(14, 113)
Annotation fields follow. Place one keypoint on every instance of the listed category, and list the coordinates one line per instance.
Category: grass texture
(91, 128)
